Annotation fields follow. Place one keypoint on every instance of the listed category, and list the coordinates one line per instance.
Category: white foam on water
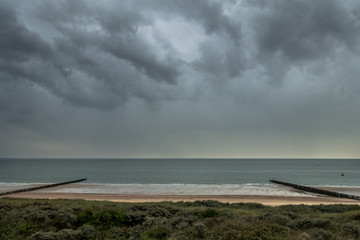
(352, 190)
(180, 189)
(14, 186)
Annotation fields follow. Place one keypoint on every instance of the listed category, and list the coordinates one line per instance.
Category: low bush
(245, 231)
(158, 212)
(84, 233)
(102, 218)
(200, 230)
(78, 219)
(153, 221)
(135, 217)
(209, 213)
(157, 232)
(248, 205)
(304, 224)
(320, 234)
(352, 230)
(354, 216)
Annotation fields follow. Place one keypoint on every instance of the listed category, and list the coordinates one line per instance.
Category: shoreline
(267, 195)
(137, 198)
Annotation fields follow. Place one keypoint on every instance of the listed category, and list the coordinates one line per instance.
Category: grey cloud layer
(90, 60)
(281, 66)
(299, 32)
(83, 50)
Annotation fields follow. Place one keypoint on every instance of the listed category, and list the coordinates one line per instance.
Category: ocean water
(182, 171)
(182, 176)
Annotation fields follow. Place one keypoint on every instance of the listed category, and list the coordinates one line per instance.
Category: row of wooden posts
(41, 187)
(316, 190)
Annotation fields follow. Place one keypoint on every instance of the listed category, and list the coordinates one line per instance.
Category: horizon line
(354, 158)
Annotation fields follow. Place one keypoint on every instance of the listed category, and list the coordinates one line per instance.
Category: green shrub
(158, 212)
(157, 232)
(65, 234)
(188, 216)
(83, 233)
(211, 203)
(152, 221)
(251, 206)
(43, 236)
(352, 230)
(280, 219)
(320, 234)
(5, 207)
(209, 213)
(246, 231)
(354, 216)
(200, 230)
(135, 232)
(86, 232)
(296, 209)
(203, 203)
(135, 217)
(335, 208)
(74, 219)
(62, 219)
(254, 206)
(102, 218)
(139, 207)
(118, 233)
(304, 224)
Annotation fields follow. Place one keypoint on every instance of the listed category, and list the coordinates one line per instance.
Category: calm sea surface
(182, 171)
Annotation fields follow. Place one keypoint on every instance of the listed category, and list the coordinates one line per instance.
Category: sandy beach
(270, 195)
(266, 200)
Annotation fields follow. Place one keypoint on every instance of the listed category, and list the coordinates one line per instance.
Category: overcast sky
(158, 78)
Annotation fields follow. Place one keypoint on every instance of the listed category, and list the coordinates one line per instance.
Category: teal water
(182, 171)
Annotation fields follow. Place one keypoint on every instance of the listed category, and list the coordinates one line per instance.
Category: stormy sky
(189, 78)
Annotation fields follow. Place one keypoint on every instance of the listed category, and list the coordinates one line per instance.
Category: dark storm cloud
(75, 63)
(221, 59)
(72, 45)
(298, 32)
(135, 77)
(223, 55)
(210, 14)
(18, 44)
(99, 55)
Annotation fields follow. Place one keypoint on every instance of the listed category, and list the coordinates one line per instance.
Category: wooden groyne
(41, 187)
(316, 190)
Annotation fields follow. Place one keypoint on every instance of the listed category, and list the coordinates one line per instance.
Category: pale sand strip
(266, 200)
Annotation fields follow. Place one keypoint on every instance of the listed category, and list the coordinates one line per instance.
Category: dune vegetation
(80, 219)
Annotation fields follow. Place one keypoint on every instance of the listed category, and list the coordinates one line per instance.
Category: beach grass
(80, 219)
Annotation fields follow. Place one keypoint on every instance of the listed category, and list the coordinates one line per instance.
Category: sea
(180, 176)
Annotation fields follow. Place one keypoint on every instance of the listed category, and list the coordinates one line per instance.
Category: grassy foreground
(79, 219)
